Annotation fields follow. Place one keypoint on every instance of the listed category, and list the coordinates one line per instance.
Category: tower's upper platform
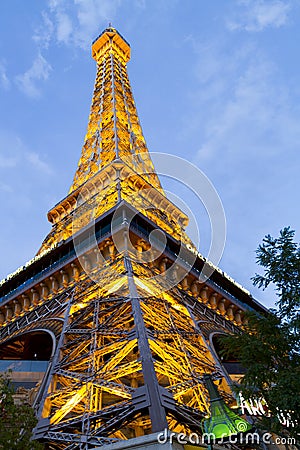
(110, 41)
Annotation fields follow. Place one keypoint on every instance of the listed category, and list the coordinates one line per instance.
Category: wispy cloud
(21, 171)
(4, 81)
(44, 32)
(59, 21)
(28, 82)
(251, 110)
(5, 188)
(76, 22)
(256, 15)
(247, 113)
(14, 153)
(140, 4)
(72, 22)
(35, 160)
(64, 27)
(8, 161)
(10, 149)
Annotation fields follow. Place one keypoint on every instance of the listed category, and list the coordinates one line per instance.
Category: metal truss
(125, 364)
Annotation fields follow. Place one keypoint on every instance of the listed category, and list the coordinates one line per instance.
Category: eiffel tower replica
(112, 314)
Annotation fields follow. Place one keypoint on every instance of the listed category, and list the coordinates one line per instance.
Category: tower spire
(114, 131)
(115, 164)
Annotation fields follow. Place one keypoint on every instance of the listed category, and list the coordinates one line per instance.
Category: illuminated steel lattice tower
(116, 285)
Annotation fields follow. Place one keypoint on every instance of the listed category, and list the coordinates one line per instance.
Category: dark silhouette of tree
(16, 421)
(269, 348)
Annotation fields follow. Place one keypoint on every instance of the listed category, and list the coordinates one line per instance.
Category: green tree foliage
(16, 421)
(280, 258)
(269, 348)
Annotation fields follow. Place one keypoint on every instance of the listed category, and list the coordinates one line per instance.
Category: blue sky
(215, 82)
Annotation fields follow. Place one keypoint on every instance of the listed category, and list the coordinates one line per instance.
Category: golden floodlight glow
(69, 405)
